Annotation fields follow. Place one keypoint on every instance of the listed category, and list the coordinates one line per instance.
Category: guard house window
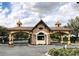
(40, 36)
(40, 28)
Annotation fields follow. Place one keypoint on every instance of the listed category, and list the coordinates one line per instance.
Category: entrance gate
(60, 37)
(20, 38)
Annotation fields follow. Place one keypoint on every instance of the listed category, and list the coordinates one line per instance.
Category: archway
(41, 37)
(55, 37)
(20, 38)
(60, 37)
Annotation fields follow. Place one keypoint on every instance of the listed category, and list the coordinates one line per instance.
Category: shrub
(64, 52)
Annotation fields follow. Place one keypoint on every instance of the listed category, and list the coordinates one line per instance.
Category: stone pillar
(47, 39)
(69, 42)
(10, 40)
(36, 39)
(33, 41)
(61, 39)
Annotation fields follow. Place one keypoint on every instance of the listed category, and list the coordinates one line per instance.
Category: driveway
(30, 50)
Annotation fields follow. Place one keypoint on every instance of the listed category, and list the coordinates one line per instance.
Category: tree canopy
(74, 24)
(3, 31)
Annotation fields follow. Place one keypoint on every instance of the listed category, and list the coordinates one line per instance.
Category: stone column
(10, 39)
(47, 39)
(69, 42)
(36, 39)
(61, 39)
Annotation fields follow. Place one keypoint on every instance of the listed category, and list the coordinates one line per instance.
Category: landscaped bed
(64, 52)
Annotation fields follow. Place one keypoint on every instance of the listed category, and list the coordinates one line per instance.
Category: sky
(30, 13)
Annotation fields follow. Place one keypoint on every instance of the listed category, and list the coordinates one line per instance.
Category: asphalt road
(30, 50)
(5, 50)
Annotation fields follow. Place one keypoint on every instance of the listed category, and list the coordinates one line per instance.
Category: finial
(19, 23)
(57, 24)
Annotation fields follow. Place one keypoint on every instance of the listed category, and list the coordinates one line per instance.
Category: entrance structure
(40, 33)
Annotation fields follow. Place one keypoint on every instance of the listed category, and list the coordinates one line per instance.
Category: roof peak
(41, 21)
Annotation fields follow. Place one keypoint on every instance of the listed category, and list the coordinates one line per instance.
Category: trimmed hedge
(64, 52)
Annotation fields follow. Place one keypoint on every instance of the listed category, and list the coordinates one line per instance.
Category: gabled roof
(41, 21)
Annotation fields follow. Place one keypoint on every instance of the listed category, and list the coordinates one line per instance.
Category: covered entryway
(55, 38)
(21, 38)
(60, 37)
(19, 35)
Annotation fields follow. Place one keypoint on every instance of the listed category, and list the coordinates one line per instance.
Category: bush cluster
(64, 52)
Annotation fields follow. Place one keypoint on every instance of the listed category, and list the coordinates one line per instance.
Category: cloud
(45, 8)
(30, 13)
(68, 11)
(64, 13)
